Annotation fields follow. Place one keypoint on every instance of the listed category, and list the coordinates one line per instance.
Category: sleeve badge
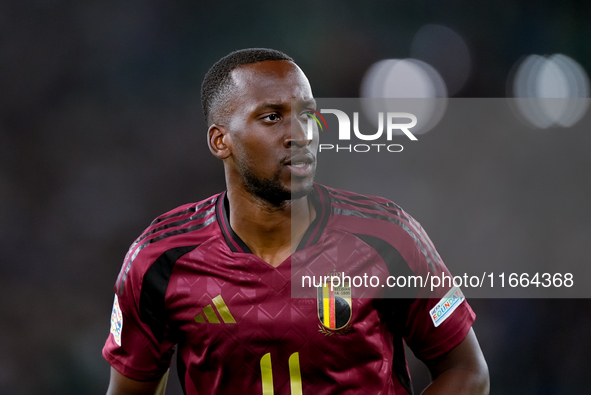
(443, 309)
(116, 322)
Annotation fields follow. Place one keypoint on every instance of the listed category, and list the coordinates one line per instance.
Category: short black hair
(217, 80)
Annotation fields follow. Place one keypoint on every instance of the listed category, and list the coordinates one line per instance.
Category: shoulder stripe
(125, 270)
(385, 203)
(176, 223)
(393, 220)
(399, 212)
(355, 196)
(194, 209)
(151, 229)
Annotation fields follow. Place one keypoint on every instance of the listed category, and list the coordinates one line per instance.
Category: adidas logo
(212, 317)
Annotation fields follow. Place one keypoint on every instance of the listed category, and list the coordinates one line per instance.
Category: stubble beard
(270, 189)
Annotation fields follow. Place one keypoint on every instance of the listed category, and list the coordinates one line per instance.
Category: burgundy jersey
(190, 281)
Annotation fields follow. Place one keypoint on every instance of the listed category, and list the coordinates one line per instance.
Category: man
(214, 277)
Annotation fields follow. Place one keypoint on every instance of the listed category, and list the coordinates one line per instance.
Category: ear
(219, 141)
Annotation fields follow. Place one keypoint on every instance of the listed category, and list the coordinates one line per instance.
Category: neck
(271, 232)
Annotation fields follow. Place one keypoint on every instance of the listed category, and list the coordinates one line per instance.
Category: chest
(226, 300)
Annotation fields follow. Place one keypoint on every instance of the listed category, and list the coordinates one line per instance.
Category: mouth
(301, 165)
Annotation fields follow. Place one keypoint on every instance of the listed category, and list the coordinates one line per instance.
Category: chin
(273, 190)
(302, 190)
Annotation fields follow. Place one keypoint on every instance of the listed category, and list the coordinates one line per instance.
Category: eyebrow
(273, 106)
(281, 106)
(308, 103)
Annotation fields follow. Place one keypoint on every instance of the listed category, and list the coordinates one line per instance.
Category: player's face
(268, 129)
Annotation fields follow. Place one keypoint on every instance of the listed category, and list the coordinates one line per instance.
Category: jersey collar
(319, 198)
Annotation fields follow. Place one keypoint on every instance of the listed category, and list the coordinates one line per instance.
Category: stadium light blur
(411, 79)
(549, 91)
(446, 51)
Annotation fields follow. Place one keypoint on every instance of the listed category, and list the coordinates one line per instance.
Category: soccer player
(214, 278)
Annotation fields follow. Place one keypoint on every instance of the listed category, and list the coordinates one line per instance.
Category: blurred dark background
(101, 130)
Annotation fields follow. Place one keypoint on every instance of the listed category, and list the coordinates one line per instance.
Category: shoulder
(171, 228)
(189, 209)
(351, 210)
(381, 223)
(340, 196)
(181, 229)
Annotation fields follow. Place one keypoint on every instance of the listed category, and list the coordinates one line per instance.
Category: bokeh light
(549, 91)
(446, 51)
(417, 87)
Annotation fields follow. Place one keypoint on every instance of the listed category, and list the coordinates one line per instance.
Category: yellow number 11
(295, 377)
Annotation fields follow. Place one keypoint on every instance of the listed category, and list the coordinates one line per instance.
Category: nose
(298, 136)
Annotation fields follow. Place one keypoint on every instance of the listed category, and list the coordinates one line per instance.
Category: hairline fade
(217, 82)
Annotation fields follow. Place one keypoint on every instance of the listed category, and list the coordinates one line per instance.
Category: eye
(274, 117)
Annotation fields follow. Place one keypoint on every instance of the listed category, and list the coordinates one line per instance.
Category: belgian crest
(334, 306)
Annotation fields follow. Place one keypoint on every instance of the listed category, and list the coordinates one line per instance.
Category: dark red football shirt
(190, 281)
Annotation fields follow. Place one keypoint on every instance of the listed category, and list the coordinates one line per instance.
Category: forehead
(270, 81)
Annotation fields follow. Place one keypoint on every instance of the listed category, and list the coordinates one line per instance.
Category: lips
(301, 164)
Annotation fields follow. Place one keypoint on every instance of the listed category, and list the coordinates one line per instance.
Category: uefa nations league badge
(116, 322)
